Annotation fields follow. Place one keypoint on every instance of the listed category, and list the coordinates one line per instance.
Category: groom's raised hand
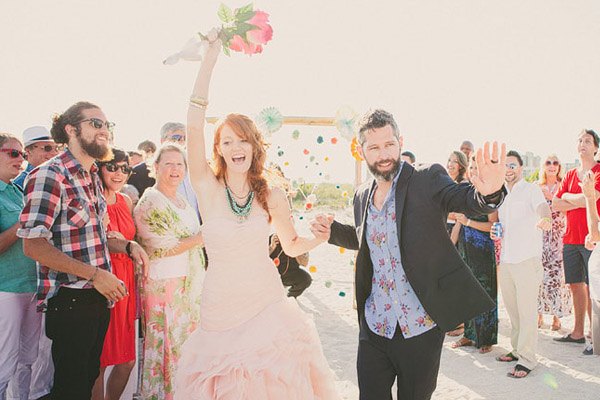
(491, 169)
(321, 226)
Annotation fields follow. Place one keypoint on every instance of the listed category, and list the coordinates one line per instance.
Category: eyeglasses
(110, 167)
(555, 163)
(98, 123)
(13, 153)
(177, 138)
(512, 166)
(47, 148)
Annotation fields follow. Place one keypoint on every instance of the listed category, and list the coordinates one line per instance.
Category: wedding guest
(169, 230)
(589, 191)
(467, 149)
(63, 231)
(554, 297)
(292, 276)
(140, 178)
(570, 200)
(20, 323)
(119, 343)
(520, 272)
(39, 148)
(477, 250)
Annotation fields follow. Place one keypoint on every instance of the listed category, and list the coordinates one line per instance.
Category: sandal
(459, 330)
(516, 373)
(462, 342)
(569, 339)
(510, 357)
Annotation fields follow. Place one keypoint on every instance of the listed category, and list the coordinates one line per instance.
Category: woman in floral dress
(554, 298)
(169, 230)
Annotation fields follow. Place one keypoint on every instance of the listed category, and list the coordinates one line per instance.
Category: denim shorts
(575, 260)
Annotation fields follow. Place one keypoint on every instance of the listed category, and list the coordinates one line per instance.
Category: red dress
(119, 344)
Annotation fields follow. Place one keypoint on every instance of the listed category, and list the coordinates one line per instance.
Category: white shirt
(521, 240)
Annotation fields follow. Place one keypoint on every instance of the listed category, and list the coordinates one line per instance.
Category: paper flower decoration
(354, 149)
(269, 120)
(345, 122)
(296, 134)
(244, 30)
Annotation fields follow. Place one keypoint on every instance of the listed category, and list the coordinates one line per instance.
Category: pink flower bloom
(239, 44)
(264, 33)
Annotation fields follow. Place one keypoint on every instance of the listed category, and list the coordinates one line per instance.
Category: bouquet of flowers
(244, 29)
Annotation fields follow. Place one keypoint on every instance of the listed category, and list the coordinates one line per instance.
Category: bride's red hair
(245, 128)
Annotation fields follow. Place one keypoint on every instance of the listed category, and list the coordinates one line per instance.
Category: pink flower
(264, 33)
(239, 44)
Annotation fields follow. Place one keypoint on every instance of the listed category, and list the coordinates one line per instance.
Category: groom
(411, 284)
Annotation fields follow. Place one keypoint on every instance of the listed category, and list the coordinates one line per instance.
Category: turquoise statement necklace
(242, 211)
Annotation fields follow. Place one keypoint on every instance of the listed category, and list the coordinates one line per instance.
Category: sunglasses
(512, 166)
(110, 167)
(13, 153)
(98, 123)
(47, 148)
(177, 138)
(555, 163)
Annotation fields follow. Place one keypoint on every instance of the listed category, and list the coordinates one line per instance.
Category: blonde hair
(559, 175)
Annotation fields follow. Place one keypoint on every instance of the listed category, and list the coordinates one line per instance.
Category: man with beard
(520, 270)
(411, 284)
(62, 224)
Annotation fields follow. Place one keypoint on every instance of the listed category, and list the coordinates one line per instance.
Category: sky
(523, 72)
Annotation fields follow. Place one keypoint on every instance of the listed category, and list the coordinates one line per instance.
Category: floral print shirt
(392, 301)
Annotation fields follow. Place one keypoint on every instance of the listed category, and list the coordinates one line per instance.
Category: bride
(253, 342)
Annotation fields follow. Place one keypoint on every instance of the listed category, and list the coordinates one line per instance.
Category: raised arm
(587, 186)
(292, 244)
(196, 143)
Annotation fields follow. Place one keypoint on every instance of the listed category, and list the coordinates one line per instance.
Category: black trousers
(297, 279)
(76, 322)
(414, 362)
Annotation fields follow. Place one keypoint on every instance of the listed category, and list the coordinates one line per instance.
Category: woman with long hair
(554, 297)
(253, 342)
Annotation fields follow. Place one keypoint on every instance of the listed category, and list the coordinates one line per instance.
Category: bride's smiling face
(235, 150)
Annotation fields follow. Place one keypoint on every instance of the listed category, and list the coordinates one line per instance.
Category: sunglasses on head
(13, 153)
(98, 123)
(47, 148)
(110, 167)
(555, 163)
(512, 166)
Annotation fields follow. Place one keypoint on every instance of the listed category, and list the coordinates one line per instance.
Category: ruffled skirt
(275, 355)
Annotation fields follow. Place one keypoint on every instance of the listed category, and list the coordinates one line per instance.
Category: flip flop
(462, 342)
(568, 339)
(518, 368)
(511, 357)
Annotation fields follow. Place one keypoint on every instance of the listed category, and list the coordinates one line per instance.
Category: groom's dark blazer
(441, 280)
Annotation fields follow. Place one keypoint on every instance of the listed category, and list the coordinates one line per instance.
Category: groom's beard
(385, 175)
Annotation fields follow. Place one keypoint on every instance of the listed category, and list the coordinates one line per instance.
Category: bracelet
(197, 106)
(128, 248)
(93, 275)
(199, 101)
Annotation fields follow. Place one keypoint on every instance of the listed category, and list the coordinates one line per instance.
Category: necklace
(243, 211)
(244, 197)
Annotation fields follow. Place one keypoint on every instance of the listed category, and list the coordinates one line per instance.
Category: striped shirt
(64, 204)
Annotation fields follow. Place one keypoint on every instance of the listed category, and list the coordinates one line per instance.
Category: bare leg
(98, 389)
(580, 305)
(589, 308)
(555, 323)
(118, 380)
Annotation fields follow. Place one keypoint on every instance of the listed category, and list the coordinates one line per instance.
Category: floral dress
(171, 292)
(554, 297)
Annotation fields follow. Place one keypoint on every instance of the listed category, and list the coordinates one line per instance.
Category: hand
(214, 47)
(493, 236)
(109, 286)
(588, 185)
(452, 216)
(198, 239)
(547, 194)
(274, 243)
(321, 226)
(461, 218)
(589, 244)
(139, 256)
(491, 169)
(115, 235)
(544, 224)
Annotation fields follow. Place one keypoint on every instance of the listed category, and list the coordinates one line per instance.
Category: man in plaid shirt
(62, 223)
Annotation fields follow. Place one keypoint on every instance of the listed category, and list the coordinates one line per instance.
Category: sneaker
(589, 350)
